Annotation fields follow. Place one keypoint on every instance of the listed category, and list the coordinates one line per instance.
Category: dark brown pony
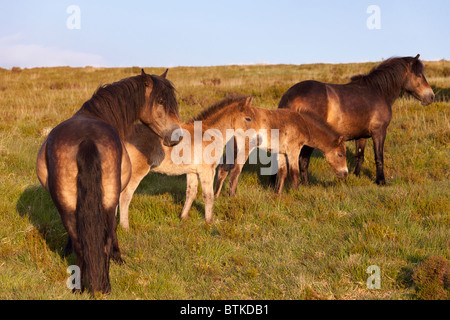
(84, 165)
(360, 109)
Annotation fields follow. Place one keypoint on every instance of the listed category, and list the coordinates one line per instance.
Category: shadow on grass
(36, 205)
(160, 184)
(269, 181)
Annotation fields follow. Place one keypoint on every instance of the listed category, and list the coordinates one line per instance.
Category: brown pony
(360, 109)
(295, 130)
(147, 153)
(84, 165)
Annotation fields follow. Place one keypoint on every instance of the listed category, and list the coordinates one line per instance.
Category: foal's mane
(120, 103)
(216, 107)
(387, 77)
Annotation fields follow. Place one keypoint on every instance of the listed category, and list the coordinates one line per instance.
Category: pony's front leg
(305, 155)
(294, 171)
(207, 180)
(378, 146)
(127, 194)
(240, 160)
(191, 193)
(124, 203)
(282, 173)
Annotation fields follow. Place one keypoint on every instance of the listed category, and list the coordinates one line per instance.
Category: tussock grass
(313, 243)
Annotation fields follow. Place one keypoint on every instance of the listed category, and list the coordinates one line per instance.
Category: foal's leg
(282, 173)
(139, 171)
(293, 168)
(360, 145)
(305, 155)
(224, 168)
(221, 175)
(378, 146)
(240, 160)
(234, 177)
(127, 194)
(207, 180)
(191, 193)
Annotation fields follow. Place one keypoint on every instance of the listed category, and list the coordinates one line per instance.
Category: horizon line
(206, 66)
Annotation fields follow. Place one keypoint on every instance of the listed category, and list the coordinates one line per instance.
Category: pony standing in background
(362, 108)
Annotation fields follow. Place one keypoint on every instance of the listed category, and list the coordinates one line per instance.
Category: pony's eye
(340, 155)
(248, 119)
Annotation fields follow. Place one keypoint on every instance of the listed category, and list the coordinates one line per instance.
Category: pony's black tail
(92, 224)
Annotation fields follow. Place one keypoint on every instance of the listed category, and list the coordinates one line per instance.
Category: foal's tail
(92, 225)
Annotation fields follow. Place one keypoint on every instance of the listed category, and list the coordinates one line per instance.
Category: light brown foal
(295, 131)
(147, 153)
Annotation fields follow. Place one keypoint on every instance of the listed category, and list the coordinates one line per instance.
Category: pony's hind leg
(282, 173)
(305, 155)
(360, 145)
(68, 248)
(221, 176)
(239, 161)
(207, 180)
(294, 168)
(234, 177)
(191, 193)
(115, 252)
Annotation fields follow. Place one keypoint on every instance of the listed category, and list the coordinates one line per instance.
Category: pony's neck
(221, 121)
(118, 104)
(387, 80)
(393, 95)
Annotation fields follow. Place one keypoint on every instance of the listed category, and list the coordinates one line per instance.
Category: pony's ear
(417, 57)
(164, 75)
(340, 140)
(248, 102)
(147, 79)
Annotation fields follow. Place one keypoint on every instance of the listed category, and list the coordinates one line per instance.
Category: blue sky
(203, 33)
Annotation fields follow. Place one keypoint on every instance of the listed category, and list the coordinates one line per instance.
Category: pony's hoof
(117, 258)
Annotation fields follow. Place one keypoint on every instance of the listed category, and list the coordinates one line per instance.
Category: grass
(313, 243)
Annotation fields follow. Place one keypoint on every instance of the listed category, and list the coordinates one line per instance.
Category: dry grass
(314, 243)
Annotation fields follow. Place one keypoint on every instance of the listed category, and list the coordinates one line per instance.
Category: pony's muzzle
(173, 137)
(428, 98)
(342, 173)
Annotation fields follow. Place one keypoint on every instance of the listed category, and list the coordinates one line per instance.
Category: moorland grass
(310, 243)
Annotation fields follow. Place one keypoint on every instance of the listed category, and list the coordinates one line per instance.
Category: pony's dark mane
(121, 102)
(317, 127)
(216, 107)
(387, 77)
